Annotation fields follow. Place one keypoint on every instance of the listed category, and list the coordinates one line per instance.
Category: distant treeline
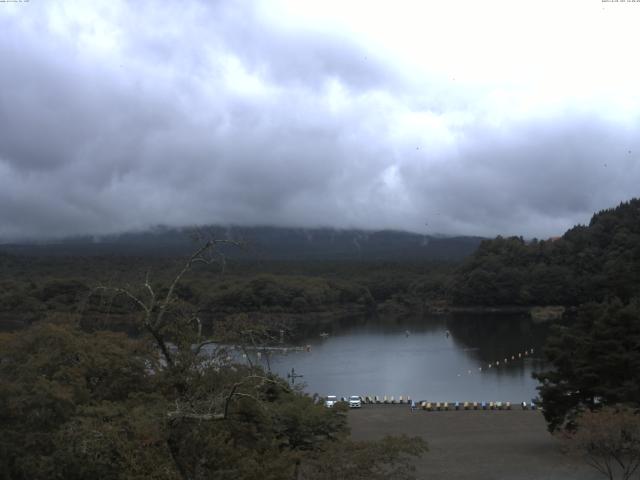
(41, 287)
(263, 243)
(588, 263)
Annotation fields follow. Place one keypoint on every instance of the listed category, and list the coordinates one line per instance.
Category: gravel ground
(478, 445)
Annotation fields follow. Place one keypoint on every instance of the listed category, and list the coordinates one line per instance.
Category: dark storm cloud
(538, 179)
(288, 56)
(207, 113)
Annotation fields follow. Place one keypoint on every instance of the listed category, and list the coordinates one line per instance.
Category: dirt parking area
(478, 445)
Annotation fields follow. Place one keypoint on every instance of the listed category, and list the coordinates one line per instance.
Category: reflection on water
(439, 359)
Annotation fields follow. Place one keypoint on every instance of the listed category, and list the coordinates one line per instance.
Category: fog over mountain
(461, 118)
(261, 243)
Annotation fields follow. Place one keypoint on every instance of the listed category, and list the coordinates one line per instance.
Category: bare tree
(177, 332)
(157, 308)
(609, 439)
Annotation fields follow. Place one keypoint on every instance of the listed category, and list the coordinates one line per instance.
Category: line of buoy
(504, 361)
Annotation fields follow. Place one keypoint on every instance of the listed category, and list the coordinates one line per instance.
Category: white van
(330, 401)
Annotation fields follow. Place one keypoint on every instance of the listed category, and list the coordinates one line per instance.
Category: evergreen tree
(595, 362)
(588, 263)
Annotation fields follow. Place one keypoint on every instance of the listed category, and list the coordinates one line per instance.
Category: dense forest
(592, 356)
(79, 402)
(594, 361)
(262, 243)
(79, 405)
(143, 405)
(295, 293)
(588, 263)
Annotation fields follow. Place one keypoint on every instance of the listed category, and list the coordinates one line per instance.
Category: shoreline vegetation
(545, 279)
(67, 377)
(30, 293)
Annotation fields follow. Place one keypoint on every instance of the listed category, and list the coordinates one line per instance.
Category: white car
(330, 401)
(355, 401)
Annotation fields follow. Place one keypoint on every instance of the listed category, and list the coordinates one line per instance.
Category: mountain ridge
(265, 242)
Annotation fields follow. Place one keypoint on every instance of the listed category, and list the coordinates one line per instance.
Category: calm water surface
(416, 357)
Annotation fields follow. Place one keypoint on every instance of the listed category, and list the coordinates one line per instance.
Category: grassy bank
(474, 445)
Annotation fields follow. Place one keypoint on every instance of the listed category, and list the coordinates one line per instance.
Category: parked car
(355, 401)
(330, 401)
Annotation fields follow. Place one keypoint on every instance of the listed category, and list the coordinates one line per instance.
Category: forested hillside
(34, 288)
(588, 263)
(79, 403)
(262, 243)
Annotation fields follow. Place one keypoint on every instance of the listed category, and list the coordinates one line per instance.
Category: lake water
(459, 358)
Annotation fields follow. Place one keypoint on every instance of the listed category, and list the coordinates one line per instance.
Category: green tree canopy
(77, 405)
(594, 362)
(588, 263)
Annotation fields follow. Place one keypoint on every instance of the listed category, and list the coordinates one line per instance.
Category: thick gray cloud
(115, 119)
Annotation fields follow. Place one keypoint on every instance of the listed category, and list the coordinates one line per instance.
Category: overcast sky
(480, 117)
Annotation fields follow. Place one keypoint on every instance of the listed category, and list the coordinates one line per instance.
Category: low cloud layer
(123, 116)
